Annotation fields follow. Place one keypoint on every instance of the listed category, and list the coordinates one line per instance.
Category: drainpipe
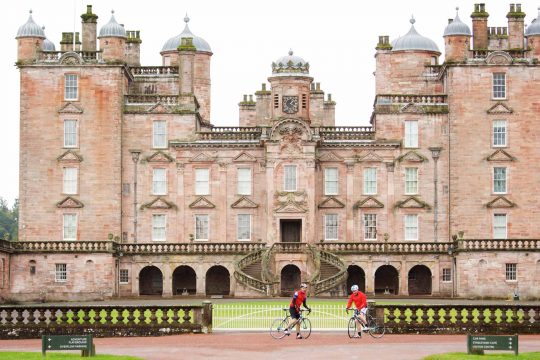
(435, 154)
(135, 154)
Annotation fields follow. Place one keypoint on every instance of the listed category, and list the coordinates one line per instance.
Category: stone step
(327, 270)
(254, 270)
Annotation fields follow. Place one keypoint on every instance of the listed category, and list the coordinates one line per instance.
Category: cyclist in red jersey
(299, 299)
(360, 301)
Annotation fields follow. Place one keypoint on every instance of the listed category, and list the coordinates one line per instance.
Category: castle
(128, 189)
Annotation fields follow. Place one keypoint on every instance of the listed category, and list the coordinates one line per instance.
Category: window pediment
(203, 157)
(329, 156)
(69, 203)
(159, 156)
(159, 203)
(370, 157)
(331, 203)
(412, 202)
(244, 157)
(500, 108)
(500, 155)
(70, 108)
(500, 202)
(244, 203)
(411, 156)
(368, 203)
(69, 156)
(159, 108)
(202, 203)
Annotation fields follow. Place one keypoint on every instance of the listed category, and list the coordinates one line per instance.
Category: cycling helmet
(303, 285)
(354, 288)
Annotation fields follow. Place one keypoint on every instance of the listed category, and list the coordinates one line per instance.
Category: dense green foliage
(9, 220)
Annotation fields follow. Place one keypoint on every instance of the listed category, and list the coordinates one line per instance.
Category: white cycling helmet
(354, 288)
(303, 285)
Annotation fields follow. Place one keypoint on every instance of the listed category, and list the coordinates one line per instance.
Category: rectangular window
(499, 180)
(411, 134)
(71, 87)
(159, 182)
(244, 227)
(70, 180)
(70, 227)
(289, 178)
(370, 226)
(411, 181)
(499, 133)
(331, 181)
(159, 227)
(511, 272)
(160, 134)
(201, 227)
(60, 273)
(447, 275)
(70, 133)
(411, 227)
(370, 181)
(331, 227)
(499, 226)
(244, 181)
(124, 276)
(499, 86)
(202, 181)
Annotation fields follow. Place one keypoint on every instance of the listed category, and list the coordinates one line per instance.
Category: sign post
(479, 343)
(68, 342)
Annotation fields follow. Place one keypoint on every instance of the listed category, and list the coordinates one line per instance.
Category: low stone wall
(28, 322)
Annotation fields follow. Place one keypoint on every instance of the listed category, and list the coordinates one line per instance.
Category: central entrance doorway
(291, 230)
(290, 279)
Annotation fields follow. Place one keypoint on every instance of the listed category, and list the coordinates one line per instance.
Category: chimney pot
(318, 86)
(245, 98)
(264, 87)
(329, 97)
(518, 7)
(250, 98)
(512, 8)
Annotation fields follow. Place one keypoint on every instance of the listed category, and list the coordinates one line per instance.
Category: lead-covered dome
(457, 27)
(414, 41)
(534, 28)
(112, 29)
(290, 65)
(173, 43)
(47, 45)
(30, 29)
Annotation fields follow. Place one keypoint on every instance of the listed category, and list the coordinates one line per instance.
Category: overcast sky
(336, 37)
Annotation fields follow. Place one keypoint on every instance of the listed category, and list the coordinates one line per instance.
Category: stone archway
(291, 277)
(356, 276)
(218, 281)
(386, 280)
(420, 280)
(184, 281)
(150, 281)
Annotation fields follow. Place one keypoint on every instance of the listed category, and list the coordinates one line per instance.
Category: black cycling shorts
(294, 314)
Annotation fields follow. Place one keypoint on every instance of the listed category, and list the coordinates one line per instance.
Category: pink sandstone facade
(128, 189)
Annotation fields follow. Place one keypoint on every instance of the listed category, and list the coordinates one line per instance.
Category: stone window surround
(73, 86)
(328, 191)
(238, 227)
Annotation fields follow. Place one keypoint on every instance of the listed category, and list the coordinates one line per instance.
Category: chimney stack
(89, 30)
(516, 27)
(480, 31)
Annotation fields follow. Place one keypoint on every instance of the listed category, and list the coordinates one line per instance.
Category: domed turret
(414, 41)
(30, 37)
(30, 29)
(112, 41)
(173, 43)
(290, 65)
(112, 29)
(534, 28)
(457, 38)
(48, 45)
(533, 36)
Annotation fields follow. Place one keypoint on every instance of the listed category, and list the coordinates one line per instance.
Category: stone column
(167, 280)
(390, 200)
(270, 191)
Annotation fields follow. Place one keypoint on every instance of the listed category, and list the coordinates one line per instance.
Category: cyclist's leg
(293, 319)
(363, 317)
(359, 325)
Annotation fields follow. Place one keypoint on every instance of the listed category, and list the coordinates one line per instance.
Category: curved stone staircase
(249, 271)
(332, 272)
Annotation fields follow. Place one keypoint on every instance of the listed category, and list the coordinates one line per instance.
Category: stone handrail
(236, 129)
(316, 255)
(254, 134)
(347, 133)
(242, 277)
(7, 245)
(153, 70)
(385, 247)
(27, 322)
(335, 280)
(64, 246)
(87, 56)
(151, 99)
(389, 99)
(458, 319)
(498, 244)
(515, 54)
(352, 129)
(289, 247)
(189, 248)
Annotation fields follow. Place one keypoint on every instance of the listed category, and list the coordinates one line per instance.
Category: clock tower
(290, 83)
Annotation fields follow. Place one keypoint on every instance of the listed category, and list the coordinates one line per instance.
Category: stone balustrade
(26, 322)
(498, 244)
(459, 319)
(347, 133)
(87, 56)
(252, 134)
(514, 53)
(289, 247)
(189, 248)
(153, 70)
(65, 246)
(151, 99)
(385, 247)
(391, 99)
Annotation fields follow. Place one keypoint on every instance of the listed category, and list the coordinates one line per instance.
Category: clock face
(290, 104)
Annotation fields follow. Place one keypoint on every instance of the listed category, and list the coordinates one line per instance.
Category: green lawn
(62, 356)
(463, 356)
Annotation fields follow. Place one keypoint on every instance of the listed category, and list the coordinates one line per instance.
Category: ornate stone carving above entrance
(500, 202)
(159, 203)
(201, 203)
(499, 58)
(291, 133)
(69, 203)
(71, 58)
(290, 202)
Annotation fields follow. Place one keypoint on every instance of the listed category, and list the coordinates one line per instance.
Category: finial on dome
(457, 8)
(31, 11)
(412, 21)
(112, 12)
(186, 18)
(290, 52)
(43, 28)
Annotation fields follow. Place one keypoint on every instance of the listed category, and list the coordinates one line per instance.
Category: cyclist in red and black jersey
(299, 299)
(360, 301)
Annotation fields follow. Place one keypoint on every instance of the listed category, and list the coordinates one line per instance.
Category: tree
(9, 220)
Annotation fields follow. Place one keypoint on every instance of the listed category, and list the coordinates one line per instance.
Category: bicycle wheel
(375, 330)
(351, 329)
(277, 328)
(305, 328)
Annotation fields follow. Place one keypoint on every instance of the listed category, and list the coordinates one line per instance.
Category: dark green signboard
(479, 343)
(67, 342)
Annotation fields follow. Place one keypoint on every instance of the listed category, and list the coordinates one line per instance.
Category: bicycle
(277, 330)
(375, 328)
